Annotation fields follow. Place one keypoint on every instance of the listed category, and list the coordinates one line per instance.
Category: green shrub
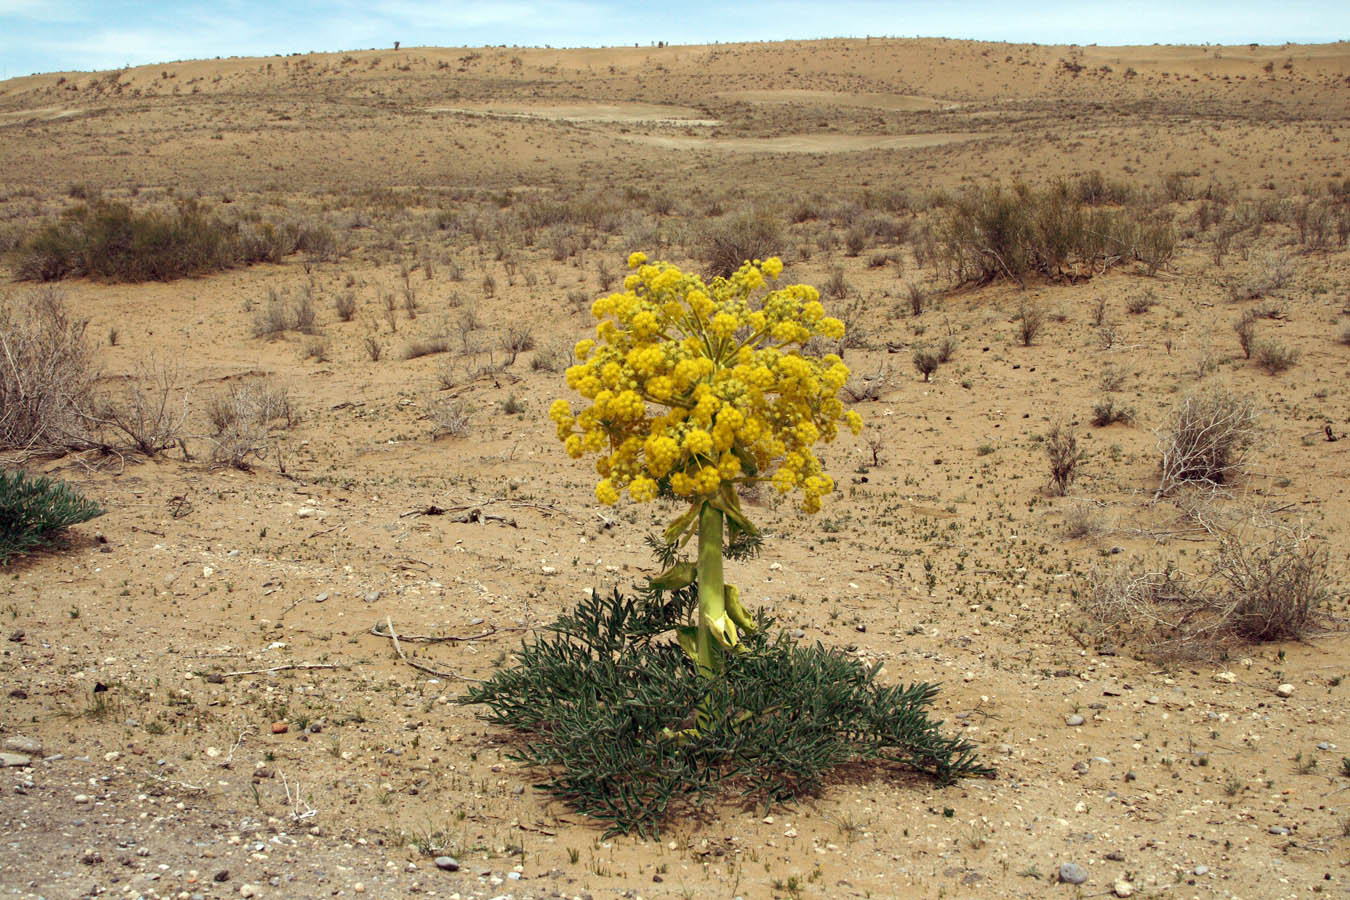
(602, 697)
(995, 232)
(926, 362)
(34, 510)
(111, 241)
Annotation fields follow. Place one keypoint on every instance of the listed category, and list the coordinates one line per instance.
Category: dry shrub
(917, 298)
(551, 358)
(1082, 522)
(1107, 412)
(728, 244)
(1245, 327)
(150, 412)
(452, 418)
(46, 374)
(1271, 272)
(244, 422)
(1273, 356)
(1207, 440)
(1271, 590)
(1030, 318)
(925, 362)
(865, 387)
(516, 340)
(345, 305)
(439, 343)
(1061, 448)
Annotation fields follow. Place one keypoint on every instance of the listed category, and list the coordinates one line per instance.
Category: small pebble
(280, 728)
(14, 759)
(1072, 873)
(21, 744)
(448, 863)
(322, 598)
(1200, 870)
(249, 890)
(1074, 720)
(1278, 829)
(1123, 889)
(1285, 690)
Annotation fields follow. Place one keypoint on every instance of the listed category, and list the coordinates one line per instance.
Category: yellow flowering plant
(693, 389)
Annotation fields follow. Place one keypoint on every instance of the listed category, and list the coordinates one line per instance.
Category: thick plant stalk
(712, 616)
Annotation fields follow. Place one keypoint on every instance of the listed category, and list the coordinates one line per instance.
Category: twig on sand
(282, 668)
(378, 629)
(416, 664)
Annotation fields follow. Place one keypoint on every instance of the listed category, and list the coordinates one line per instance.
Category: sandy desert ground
(473, 192)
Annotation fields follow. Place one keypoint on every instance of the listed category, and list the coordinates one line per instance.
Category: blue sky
(60, 35)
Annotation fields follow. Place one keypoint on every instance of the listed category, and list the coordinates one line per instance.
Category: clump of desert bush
(926, 362)
(993, 232)
(1064, 455)
(246, 420)
(452, 418)
(148, 411)
(279, 315)
(109, 240)
(1270, 587)
(1269, 273)
(35, 510)
(726, 244)
(1273, 356)
(1208, 439)
(774, 723)
(47, 374)
(1107, 411)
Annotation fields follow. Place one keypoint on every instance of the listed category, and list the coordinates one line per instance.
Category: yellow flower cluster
(697, 385)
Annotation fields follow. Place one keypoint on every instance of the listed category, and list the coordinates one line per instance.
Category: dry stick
(439, 639)
(284, 668)
(289, 608)
(421, 666)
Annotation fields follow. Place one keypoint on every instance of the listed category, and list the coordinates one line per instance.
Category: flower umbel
(698, 386)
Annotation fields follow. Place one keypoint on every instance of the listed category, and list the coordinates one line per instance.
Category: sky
(83, 35)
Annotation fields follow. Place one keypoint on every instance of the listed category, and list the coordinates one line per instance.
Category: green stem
(711, 588)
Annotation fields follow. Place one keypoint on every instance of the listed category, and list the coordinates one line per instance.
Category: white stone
(1285, 690)
(1123, 889)
(1225, 677)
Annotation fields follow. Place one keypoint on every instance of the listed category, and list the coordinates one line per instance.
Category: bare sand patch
(635, 113)
(896, 102)
(805, 143)
(44, 114)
